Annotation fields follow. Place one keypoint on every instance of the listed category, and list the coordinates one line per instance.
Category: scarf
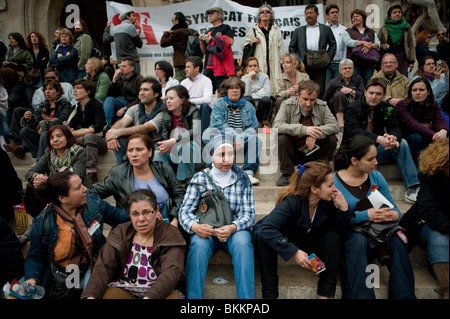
(143, 117)
(429, 76)
(237, 104)
(81, 240)
(222, 179)
(395, 29)
(61, 164)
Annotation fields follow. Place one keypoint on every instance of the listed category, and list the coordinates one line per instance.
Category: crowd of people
(341, 100)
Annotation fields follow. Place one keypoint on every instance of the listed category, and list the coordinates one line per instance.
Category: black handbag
(213, 209)
(60, 288)
(377, 233)
(249, 50)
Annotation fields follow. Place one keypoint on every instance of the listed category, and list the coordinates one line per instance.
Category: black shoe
(17, 150)
(283, 180)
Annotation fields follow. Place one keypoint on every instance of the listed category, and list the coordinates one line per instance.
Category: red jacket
(224, 66)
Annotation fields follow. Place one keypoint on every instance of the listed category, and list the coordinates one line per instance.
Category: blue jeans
(252, 149)
(110, 106)
(122, 149)
(416, 143)
(358, 254)
(332, 72)
(205, 116)
(405, 163)
(42, 145)
(437, 245)
(365, 72)
(31, 138)
(239, 246)
(188, 160)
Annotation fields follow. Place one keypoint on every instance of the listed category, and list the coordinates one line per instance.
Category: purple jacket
(410, 119)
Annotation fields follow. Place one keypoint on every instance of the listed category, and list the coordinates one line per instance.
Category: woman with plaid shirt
(235, 238)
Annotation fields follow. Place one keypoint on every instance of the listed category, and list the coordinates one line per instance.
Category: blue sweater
(376, 178)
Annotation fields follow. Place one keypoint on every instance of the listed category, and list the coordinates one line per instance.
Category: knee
(200, 246)
(357, 244)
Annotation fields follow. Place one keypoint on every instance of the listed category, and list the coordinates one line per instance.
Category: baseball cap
(215, 9)
(123, 15)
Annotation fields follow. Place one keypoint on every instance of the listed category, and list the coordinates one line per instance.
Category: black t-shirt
(223, 29)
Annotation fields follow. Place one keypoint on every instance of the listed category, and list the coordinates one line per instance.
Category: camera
(438, 64)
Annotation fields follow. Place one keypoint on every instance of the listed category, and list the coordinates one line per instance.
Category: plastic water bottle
(27, 291)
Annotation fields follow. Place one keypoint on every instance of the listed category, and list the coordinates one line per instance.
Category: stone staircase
(294, 282)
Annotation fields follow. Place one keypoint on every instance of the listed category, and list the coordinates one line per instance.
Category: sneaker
(253, 180)
(93, 177)
(411, 195)
(283, 180)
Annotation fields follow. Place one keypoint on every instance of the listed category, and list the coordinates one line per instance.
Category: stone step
(298, 283)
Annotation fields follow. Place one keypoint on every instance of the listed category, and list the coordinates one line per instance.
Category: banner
(153, 21)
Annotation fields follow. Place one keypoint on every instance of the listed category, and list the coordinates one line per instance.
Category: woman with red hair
(422, 46)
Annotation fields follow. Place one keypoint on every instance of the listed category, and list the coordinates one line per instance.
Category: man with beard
(84, 45)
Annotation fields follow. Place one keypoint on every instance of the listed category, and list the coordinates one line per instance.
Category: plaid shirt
(239, 194)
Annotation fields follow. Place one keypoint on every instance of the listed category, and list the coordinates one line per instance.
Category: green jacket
(84, 45)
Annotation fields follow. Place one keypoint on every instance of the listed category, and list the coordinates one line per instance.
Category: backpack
(96, 50)
(192, 44)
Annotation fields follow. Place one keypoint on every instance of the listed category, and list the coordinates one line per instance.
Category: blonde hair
(434, 158)
(97, 66)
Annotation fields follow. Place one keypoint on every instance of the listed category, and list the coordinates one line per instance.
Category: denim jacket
(221, 113)
(44, 235)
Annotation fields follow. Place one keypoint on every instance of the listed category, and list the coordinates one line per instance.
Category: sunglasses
(265, 11)
(439, 34)
(429, 37)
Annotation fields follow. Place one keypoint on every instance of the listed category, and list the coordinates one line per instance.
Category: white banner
(153, 21)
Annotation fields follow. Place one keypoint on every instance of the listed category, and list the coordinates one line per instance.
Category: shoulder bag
(213, 209)
(317, 59)
(372, 57)
(249, 50)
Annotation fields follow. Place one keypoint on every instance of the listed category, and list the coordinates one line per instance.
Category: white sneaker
(411, 195)
(253, 180)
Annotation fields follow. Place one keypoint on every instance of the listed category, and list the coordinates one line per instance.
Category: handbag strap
(211, 181)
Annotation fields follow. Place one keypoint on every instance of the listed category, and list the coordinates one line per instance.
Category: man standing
(332, 13)
(200, 89)
(314, 40)
(145, 117)
(215, 15)
(444, 46)
(369, 116)
(125, 37)
(123, 92)
(84, 45)
(397, 83)
(177, 37)
(304, 122)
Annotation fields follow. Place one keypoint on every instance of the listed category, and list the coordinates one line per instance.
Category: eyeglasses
(145, 213)
(389, 62)
(265, 11)
(50, 78)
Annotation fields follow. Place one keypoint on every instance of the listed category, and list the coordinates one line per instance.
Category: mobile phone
(304, 149)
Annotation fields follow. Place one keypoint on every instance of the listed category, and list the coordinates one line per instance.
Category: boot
(441, 271)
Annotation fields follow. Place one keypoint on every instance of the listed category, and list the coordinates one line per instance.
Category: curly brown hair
(232, 82)
(434, 158)
(42, 40)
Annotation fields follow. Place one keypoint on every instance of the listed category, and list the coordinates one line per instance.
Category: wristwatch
(125, 108)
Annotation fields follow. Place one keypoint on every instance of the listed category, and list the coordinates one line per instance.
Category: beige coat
(276, 51)
(284, 83)
(398, 88)
(409, 43)
(288, 117)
